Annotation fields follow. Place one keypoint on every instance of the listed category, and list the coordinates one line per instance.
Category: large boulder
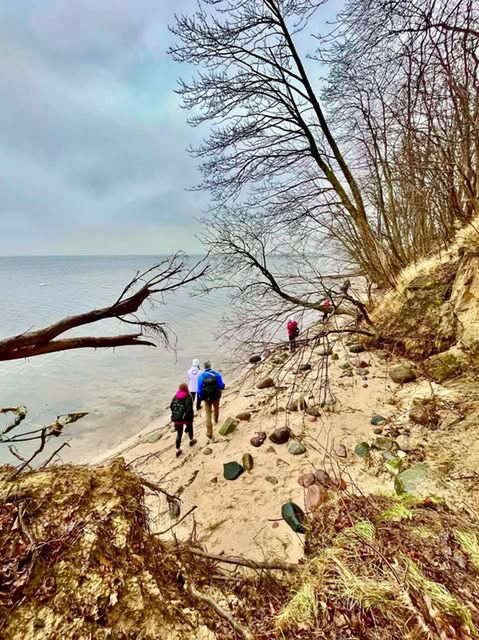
(410, 480)
(402, 373)
(281, 435)
(229, 425)
(446, 365)
(265, 383)
(232, 470)
(294, 516)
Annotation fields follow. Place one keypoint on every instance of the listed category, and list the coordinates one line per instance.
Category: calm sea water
(125, 388)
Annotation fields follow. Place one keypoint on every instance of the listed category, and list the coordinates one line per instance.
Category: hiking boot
(178, 453)
(192, 442)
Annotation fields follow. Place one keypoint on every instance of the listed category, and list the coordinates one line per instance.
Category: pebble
(312, 418)
(207, 451)
(151, 438)
(265, 383)
(296, 448)
(244, 415)
(341, 451)
(275, 525)
(306, 480)
(258, 439)
(315, 497)
(270, 450)
(255, 359)
(365, 386)
(322, 477)
(272, 479)
(378, 431)
(281, 435)
(214, 480)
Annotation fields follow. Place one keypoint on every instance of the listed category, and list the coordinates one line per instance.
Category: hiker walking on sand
(192, 377)
(293, 333)
(328, 308)
(182, 415)
(210, 386)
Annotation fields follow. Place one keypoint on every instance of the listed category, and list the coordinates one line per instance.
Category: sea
(122, 389)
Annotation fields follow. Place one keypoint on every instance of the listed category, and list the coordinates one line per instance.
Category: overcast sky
(92, 140)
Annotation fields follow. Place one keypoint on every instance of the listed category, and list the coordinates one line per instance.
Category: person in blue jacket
(210, 386)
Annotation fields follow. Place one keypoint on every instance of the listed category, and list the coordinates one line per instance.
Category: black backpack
(210, 389)
(178, 410)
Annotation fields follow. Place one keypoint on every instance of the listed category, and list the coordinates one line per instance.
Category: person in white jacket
(192, 377)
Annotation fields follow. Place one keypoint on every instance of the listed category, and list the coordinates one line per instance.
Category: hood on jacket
(181, 395)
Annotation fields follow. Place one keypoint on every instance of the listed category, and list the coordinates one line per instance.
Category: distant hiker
(182, 415)
(345, 286)
(328, 303)
(210, 386)
(293, 333)
(192, 377)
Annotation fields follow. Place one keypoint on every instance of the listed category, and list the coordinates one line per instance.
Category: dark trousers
(292, 343)
(198, 399)
(188, 426)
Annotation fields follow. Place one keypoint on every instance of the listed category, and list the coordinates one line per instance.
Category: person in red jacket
(182, 415)
(293, 333)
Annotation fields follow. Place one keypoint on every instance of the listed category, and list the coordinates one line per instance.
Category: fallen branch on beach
(245, 562)
(160, 279)
(220, 611)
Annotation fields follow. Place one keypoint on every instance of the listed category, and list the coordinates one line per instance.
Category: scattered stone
(294, 516)
(382, 443)
(276, 410)
(296, 448)
(322, 477)
(281, 463)
(207, 451)
(275, 525)
(423, 282)
(424, 413)
(153, 437)
(341, 451)
(345, 365)
(258, 439)
(347, 374)
(394, 432)
(304, 367)
(402, 373)
(404, 443)
(377, 419)
(378, 431)
(361, 372)
(232, 470)
(229, 425)
(306, 480)
(312, 418)
(297, 403)
(408, 481)
(360, 364)
(323, 351)
(244, 415)
(315, 497)
(281, 435)
(270, 450)
(272, 479)
(362, 449)
(356, 348)
(335, 356)
(265, 383)
(214, 480)
(446, 365)
(314, 411)
(255, 359)
(247, 461)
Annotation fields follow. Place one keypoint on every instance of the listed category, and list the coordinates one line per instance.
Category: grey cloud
(91, 136)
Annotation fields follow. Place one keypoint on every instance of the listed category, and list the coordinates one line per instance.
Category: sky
(93, 142)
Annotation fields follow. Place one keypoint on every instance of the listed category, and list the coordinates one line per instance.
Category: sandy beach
(244, 516)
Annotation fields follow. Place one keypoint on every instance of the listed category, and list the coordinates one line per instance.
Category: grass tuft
(470, 545)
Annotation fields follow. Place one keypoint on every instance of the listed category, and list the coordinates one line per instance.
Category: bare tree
(270, 138)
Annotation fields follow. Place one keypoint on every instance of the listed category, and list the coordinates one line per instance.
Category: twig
(160, 533)
(47, 462)
(245, 562)
(155, 487)
(220, 611)
(15, 453)
(43, 440)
